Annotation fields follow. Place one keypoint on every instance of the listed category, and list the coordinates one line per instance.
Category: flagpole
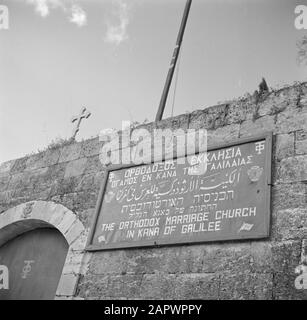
(173, 61)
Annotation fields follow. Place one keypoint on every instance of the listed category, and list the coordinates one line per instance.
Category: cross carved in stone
(83, 114)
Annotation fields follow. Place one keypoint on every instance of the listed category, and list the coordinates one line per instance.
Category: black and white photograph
(153, 154)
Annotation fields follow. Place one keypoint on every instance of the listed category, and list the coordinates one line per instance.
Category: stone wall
(262, 269)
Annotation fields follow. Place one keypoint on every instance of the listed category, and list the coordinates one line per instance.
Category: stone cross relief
(83, 114)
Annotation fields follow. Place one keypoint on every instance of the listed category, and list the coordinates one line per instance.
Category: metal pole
(174, 61)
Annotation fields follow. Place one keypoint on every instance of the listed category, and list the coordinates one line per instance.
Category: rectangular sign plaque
(223, 194)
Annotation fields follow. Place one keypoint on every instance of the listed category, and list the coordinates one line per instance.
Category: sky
(112, 56)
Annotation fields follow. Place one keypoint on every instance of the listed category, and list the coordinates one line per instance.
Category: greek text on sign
(227, 197)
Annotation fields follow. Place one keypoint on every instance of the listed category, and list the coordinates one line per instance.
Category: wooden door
(35, 261)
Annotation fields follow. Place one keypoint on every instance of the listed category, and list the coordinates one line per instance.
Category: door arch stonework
(41, 214)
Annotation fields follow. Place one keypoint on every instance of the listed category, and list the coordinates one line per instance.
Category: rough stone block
(90, 147)
(108, 262)
(236, 112)
(74, 257)
(186, 259)
(20, 212)
(251, 286)
(86, 182)
(66, 185)
(278, 101)
(43, 159)
(223, 134)
(86, 217)
(34, 162)
(51, 157)
(149, 261)
(269, 105)
(67, 285)
(285, 256)
(70, 152)
(178, 122)
(23, 194)
(5, 167)
(289, 224)
(158, 286)
(289, 195)
(19, 180)
(73, 263)
(84, 200)
(292, 169)
(53, 174)
(301, 147)
(290, 121)
(93, 286)
(75, 168)
(74, 231)
(4, 181)
(19, 165)
(93, 165)
(236, 258)
(67, 222)
(66, 200)
(85, 262)
(115, 286)
(209, 118)
(261, 257)
(80, 243)
(6, 196)
(57, 216)
(258, 126)
(200, 286)
(6, 218)
(190, 259)
(39, 180)
(284, 146)
(284, 287)
(251, 106)
(301, 135)
(125, 285)
(42, 210)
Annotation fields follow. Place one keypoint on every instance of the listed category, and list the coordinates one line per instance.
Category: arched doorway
(35, 261)
(37, 215)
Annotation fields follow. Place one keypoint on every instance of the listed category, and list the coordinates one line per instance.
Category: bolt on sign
(223, 194)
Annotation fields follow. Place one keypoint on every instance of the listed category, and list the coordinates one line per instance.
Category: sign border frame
(267, 136)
